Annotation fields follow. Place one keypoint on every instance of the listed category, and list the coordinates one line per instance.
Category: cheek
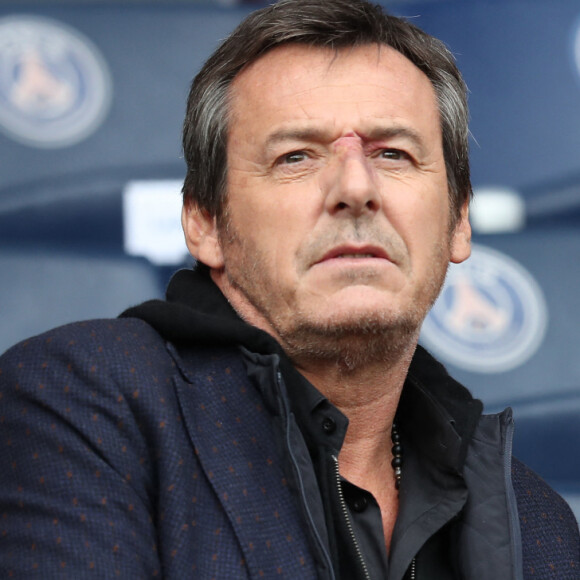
(263, 237)
(432, 210)
(424, 228)
(279, 219)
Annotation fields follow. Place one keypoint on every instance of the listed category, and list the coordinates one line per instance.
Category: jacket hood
(195, 311)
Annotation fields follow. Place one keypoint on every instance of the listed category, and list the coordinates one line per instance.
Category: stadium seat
(43, 289)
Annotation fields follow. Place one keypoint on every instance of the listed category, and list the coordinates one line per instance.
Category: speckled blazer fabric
(544, 520)
(106, 474)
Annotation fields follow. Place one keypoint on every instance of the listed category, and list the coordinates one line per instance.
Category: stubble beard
(375, 337)
(348, 343)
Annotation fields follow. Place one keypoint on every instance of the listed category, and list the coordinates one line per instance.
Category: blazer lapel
(231, 430)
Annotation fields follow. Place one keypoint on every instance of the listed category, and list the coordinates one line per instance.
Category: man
(275, 417)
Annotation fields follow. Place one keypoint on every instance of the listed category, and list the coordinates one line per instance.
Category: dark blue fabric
(107, 474)
(119, 461)
(548, 528)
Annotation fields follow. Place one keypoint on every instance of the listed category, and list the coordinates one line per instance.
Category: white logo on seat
(55, 88)
(491, 315)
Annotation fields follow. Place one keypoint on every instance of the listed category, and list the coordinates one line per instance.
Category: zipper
(511, 500)
(296, 469)
(348, 521)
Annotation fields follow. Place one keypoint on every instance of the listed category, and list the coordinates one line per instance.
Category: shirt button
(328, 425)
(359, 504)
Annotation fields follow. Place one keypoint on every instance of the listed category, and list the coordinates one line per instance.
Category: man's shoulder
(107, 333)
(550, 538)
(536, 499)
(115, 352)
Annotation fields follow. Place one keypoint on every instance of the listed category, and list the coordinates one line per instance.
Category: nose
(351, 185)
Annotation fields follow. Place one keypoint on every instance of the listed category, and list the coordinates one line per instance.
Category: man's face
(337, 220)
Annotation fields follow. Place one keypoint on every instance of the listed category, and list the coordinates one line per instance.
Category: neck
(368, 395)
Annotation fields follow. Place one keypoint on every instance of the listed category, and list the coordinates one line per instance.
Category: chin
(350, 326)
(361, 321)
(350, 341)
(366, 307)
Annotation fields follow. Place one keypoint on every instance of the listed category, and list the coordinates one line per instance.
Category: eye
(293, 157)
(393, 154)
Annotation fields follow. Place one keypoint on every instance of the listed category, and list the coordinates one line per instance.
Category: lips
(354, 252)
(356, 256)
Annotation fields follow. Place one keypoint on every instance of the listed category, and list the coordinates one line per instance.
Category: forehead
(297, 80)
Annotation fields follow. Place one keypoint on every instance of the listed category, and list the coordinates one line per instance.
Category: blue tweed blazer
(120, 458)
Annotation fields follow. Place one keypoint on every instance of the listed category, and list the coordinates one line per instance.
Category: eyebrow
(297, 134)
(380, 133)
(319, 135)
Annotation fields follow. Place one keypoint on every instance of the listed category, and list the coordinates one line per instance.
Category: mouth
(355, 253)
(355, 256)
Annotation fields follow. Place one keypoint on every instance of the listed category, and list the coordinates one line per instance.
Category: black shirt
(353, 517)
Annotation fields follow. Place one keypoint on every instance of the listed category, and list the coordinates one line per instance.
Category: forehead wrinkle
(322, 135)
(308, 134)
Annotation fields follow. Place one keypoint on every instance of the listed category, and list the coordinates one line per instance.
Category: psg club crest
(55, 87)
(491, 316)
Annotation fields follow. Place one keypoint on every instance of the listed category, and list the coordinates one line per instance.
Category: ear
(201, 235)
(461, 237)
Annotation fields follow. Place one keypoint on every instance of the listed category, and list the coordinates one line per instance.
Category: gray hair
(332, 24)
